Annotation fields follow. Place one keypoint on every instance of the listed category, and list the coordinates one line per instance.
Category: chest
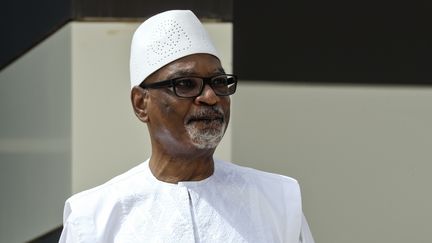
(198, 215)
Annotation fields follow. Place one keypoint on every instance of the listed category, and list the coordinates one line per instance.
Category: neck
(175, 168)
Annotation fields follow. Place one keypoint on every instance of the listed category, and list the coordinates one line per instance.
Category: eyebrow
(186, 73)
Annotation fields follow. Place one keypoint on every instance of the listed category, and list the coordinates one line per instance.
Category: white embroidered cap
(164, 38)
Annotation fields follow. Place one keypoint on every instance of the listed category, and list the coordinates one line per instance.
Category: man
(182, 194)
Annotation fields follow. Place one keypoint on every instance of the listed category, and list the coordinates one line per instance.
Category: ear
(139, 98)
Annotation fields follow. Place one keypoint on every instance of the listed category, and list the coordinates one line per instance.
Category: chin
(206, 138)
(206, 144)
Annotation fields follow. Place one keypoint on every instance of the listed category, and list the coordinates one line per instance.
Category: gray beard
(206, 138)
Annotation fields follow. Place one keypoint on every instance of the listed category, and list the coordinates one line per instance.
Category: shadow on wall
(51, 237)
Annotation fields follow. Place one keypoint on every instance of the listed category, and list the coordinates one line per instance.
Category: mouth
(206, 117)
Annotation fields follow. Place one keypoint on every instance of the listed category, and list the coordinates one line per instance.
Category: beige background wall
(361, 154)
(106, 139)
(35, 112)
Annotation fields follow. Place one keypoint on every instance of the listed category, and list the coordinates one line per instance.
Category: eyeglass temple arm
(165, 83)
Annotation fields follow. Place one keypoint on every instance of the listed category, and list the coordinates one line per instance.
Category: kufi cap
(164, 38)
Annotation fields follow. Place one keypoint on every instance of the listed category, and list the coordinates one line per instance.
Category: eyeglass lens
(193, 86)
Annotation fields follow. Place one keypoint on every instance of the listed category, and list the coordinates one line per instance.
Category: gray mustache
(207, 113)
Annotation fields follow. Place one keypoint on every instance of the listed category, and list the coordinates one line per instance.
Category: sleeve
(305, 233)
(78, 226)
(70, 232)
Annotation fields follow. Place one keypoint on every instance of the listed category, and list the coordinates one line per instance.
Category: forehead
(194, 65)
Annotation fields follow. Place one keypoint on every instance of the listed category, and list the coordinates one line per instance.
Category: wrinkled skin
(184, 132)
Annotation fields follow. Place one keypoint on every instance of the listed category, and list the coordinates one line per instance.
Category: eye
(220, 81)
(186, 83)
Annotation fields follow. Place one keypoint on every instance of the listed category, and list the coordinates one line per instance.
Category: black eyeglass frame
(206, 80)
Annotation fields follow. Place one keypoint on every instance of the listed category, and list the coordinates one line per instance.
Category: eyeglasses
(192, 87)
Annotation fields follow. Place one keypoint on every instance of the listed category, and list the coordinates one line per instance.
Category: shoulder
(119, 182)
(271, 184)
(276, 197)
(261, 176)
(106, 198)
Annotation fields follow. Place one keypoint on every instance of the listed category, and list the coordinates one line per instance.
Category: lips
(205, 119)
(206, 116)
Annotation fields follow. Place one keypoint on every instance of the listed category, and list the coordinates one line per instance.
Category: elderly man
(182, 194)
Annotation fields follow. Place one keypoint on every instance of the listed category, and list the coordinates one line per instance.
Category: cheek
(166, 108)
(226, 106)
(171, 111)
(161, 103)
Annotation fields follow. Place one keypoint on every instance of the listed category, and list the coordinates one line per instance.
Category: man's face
(180, 124)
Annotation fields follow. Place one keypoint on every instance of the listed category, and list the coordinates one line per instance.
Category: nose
(208, 96)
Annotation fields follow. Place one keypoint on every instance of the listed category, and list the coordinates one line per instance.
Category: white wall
(35, 139)
(106, 138)
(361, 154)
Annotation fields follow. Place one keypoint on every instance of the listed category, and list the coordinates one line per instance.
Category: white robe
(235, 204)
